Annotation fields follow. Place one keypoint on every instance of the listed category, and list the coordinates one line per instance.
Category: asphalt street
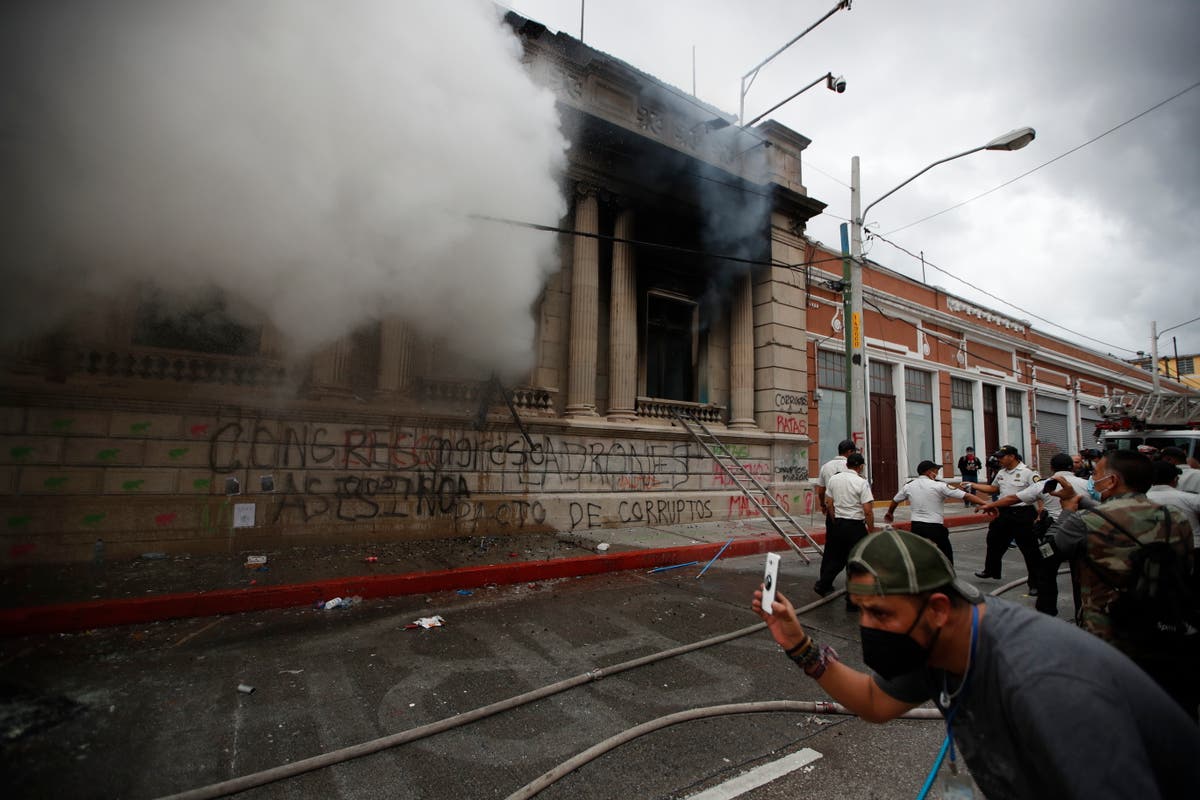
(154, 710)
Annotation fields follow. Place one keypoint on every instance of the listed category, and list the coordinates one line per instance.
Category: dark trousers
(840, 539)
(1047, 585)
(1012, 523)
(938, 534)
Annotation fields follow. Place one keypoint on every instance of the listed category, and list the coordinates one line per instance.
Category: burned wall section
(155, 481)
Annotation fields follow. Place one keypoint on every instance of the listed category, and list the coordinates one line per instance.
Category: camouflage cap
(904, 563)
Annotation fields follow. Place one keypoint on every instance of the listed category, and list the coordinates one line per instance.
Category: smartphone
(770, 579)
(1051, 486)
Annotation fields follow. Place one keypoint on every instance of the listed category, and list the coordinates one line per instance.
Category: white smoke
(316, 161)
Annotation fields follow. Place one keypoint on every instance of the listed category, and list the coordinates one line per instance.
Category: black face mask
(893, 654)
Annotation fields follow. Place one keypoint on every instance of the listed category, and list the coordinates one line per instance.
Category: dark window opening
(201, 324)
(670, 348)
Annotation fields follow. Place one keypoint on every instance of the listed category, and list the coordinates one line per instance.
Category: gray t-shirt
(1054, 712)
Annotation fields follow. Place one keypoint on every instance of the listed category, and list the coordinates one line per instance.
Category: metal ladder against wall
(766, 503)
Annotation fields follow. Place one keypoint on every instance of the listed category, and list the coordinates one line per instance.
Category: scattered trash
(426, 622)
(154, 556)
(255, 561)
(371, 559)
(465, 592)
(818, 720)
(602, 547)
(290, 671)
(339, 602)
(513, 555)
(263, 568)
(245, 689)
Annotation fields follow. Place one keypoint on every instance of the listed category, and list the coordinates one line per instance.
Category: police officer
(1014, 522)
(928, 495)
(830, 468)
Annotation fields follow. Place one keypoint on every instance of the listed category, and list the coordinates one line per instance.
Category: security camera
(837, 84)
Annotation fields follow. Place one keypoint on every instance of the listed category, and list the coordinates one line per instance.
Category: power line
(977, 288)
(1051, 161)
(1180, 325)
(655, 245)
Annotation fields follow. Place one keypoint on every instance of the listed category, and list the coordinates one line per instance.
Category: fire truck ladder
(751, 487)
(1156, 409)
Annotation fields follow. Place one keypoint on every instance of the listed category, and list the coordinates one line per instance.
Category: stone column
(622, 345)
(741, 355)
(585, 284)
(331, 368)
(395, 356)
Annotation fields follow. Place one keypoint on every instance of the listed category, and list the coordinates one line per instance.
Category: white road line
(759, 776)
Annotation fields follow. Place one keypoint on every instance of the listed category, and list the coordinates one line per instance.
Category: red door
(885, 467)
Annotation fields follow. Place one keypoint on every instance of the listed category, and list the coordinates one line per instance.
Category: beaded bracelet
(820, 663)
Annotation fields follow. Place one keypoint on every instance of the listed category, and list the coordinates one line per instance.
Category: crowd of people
(1029, 701)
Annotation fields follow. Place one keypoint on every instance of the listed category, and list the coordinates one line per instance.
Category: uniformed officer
(1014, 522)
(928, 495)
(850, 504)
(830, 468)
(1047, 582)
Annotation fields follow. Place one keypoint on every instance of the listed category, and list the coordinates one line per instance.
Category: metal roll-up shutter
(1052, 422)
(1089, 417)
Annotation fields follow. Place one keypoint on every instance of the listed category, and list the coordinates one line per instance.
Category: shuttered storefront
(1052, 428)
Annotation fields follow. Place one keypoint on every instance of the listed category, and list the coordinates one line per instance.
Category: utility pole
(856, 368)
(1154, 355)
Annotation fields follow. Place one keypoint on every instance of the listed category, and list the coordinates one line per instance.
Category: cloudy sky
(1103, 241)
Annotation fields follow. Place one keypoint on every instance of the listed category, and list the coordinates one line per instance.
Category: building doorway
(885, 463)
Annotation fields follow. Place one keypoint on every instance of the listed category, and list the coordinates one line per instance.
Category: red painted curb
(127, 611)
(66, 617)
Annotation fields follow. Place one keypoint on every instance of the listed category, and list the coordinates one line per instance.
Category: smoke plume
(316, 162)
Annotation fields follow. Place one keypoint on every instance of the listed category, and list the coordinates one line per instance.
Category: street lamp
(856, 385)
(753, 73)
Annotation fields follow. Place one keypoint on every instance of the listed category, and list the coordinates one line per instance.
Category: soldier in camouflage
(1120, 483)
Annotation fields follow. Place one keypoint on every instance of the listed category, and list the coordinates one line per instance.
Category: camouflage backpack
(1155, 603)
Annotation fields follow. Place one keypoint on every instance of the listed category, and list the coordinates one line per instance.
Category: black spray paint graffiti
(648, 512)
(619, 465)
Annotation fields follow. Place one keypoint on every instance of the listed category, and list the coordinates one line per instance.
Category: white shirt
(927, 497)
(1189, 479)
(1012, 481)
(849, 491)
(1053, 505)
(1187, 503)
(830, 468)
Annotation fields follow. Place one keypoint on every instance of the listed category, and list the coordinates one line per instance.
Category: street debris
(426, 622)
(371, 559)
(602, 547)
(465, 592)
(254, 562)
(154, 556)
(339, 602)
(245, 688)
(674, 566)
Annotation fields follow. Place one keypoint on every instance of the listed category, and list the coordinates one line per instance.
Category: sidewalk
(54, 598)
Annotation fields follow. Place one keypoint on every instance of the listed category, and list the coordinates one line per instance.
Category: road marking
(759, 776)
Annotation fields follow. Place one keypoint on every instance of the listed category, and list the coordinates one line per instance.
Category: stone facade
(666, 302)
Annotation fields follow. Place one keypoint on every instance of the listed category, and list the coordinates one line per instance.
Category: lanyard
(956, 698)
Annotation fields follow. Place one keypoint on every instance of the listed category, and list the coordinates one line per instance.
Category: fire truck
(1157, 420)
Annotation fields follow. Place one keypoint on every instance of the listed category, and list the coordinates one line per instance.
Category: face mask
(1092, 491)
(893, 654)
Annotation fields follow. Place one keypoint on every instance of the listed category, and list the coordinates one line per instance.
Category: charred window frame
(672, 346)
(203, 323)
